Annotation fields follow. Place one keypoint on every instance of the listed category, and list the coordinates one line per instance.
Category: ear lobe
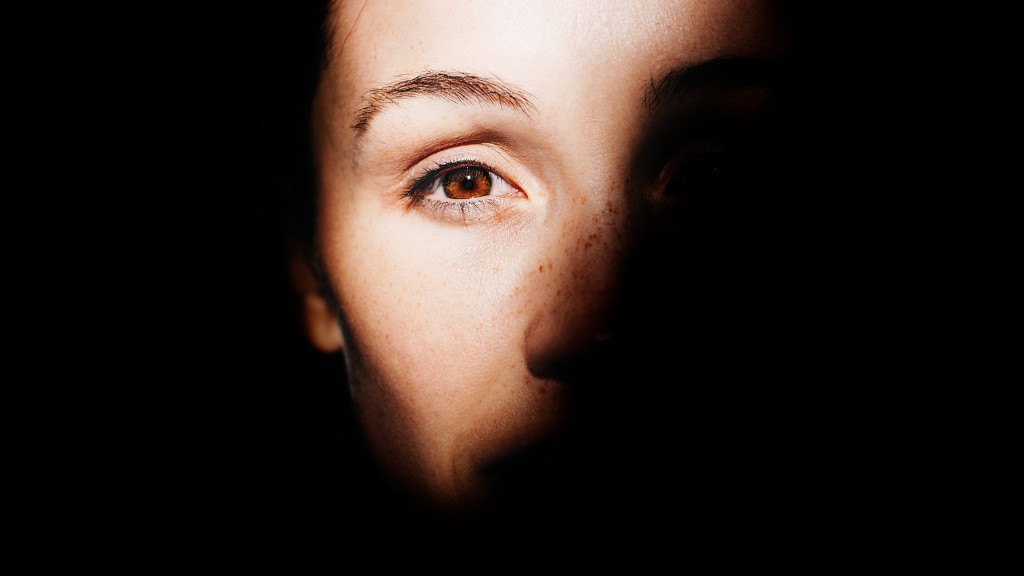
(318, 320)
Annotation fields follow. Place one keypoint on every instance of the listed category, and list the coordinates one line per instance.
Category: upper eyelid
(434, 172)
(447, 166)
(520, 166)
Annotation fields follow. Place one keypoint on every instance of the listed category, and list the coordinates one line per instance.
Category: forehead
(547, 46)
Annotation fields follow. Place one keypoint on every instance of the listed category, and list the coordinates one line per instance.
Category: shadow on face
(569, 257)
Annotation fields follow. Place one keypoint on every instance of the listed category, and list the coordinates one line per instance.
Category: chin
(498, 480)
(503, 458)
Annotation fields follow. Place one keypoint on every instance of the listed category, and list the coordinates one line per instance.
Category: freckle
(540, 268)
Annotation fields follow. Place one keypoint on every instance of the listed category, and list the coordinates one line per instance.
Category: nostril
(573, 362)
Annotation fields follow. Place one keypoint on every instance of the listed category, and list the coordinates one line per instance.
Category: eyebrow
(724, 73)
(455, 87)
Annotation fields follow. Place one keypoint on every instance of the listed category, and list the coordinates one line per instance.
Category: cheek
(435, 321)
(431, 298)
(431, 328)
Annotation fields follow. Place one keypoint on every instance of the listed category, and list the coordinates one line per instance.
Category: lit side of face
(485, 175)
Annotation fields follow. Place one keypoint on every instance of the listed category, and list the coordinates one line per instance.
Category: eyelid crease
(403, 155)
(443, 144)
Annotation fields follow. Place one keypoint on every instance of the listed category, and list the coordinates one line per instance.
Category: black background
(214, 441)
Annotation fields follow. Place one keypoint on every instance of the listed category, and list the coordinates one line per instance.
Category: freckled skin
(459, 337)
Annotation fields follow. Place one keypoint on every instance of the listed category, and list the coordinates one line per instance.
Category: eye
(461, 182)
(462, 192)
(704, 177)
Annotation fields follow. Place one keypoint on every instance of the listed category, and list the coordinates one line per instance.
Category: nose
(575, 290)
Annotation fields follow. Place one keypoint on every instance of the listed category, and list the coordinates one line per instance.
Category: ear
(318, 320)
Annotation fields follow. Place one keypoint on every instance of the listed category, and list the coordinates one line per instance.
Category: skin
(466, 332)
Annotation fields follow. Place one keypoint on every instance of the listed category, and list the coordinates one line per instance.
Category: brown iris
(468, 182)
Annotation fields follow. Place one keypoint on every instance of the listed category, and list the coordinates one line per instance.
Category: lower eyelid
(464, 211)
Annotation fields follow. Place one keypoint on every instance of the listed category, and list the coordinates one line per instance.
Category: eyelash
(465, 210)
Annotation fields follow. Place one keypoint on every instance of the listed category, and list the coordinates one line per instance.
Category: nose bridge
(577, 281)
(598, 233)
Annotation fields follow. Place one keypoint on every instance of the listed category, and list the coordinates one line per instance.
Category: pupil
(468, 182)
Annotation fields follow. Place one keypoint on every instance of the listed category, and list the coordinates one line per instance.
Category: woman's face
(490, 176)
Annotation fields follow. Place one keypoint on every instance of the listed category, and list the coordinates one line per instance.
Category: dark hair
(325, 450)
(293, 71)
